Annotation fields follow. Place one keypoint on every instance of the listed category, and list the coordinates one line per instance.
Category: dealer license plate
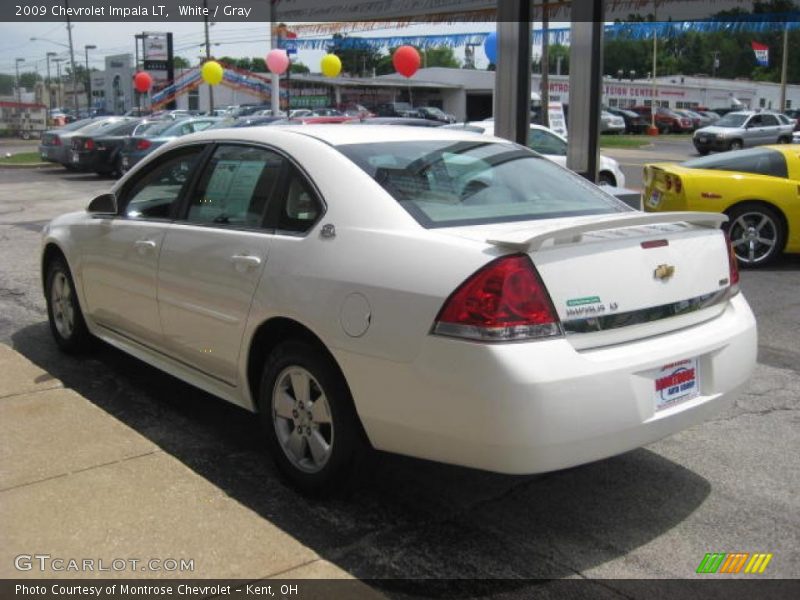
(654, 200)
(676, 382)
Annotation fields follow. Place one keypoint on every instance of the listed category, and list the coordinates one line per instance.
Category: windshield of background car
(758, 161)
(731, 120)
(97, 126)
(75, 125)
(447, 183)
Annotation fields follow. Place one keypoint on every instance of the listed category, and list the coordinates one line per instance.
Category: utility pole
(714, 63)
(784, 67)
(88, 77)
(275, 87)
(208, 57)
(59, 94)
(545, 80)
(72, 58)
(49, 88)
(19, 95)
(653, 107)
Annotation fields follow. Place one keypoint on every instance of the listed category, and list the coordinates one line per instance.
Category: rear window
(758, 161)
(444, 183)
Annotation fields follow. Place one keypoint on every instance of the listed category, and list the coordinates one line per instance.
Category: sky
(228, 39)
(233, 39)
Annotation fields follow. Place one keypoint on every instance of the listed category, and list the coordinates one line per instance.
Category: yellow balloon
(331, 65)
(212, 72)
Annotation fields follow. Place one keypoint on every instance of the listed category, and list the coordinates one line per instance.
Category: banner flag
(762, 53)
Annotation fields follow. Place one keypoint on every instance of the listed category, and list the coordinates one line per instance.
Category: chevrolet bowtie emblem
(664, 272)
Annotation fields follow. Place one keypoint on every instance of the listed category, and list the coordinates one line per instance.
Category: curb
(40, 165)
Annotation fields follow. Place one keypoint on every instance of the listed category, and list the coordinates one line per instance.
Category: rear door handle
(245, 261)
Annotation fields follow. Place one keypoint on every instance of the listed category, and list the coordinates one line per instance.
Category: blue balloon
(490, 47)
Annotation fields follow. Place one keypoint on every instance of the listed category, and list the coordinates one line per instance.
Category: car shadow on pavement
(411, 519)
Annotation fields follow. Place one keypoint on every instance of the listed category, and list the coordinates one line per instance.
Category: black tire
(344, 435)
(767, 224)
(606, 178)
(785, 139)
(65, 316)
(735, 145)
(703, 152)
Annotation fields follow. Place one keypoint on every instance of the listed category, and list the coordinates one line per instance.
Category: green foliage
(28, 80)
(298, 67)
(355, 61)
(6, 84)
(180, 62)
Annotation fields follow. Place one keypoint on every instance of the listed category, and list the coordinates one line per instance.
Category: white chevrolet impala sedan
(426, 292)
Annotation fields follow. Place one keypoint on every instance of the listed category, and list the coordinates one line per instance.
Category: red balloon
(406, 60)
(142, 82)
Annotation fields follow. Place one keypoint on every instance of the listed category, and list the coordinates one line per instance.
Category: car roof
(335, 135)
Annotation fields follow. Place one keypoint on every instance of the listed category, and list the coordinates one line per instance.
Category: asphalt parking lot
(728, 485)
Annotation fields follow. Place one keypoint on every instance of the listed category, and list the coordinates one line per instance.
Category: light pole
(19, 93)
(88, 78)
(208, 57)
(59, 95)
(49, 87)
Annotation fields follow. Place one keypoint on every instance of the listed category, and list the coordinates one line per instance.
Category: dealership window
(762, 102)
(613, 102)
(648, 103)
(194, 99)
(788, 104)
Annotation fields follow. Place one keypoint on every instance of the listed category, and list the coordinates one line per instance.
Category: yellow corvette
(758, 188)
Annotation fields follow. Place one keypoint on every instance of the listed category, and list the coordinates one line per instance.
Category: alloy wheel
(754, 236)
(302, 419)
(63, 306)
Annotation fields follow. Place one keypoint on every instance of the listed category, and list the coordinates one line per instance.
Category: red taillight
(89, 144)
(56, 141)
(143, 144)
(505, 300)
(733, 266)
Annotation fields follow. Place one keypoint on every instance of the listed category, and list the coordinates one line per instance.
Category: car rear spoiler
(524, 241)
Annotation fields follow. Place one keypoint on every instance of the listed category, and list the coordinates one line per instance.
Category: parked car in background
(787, 119)
(553, 147)
(300, 112)
(742, 129)
(756, 188)
(327, 112)
(136, 147)
(696, 120)
(610, 123)
(56, 144)
(710, 115)
(401, 121)
(667, 121)
(356, 110)
(100, 151)
(396, 109)
(634, 122)
(250, 121)
(279, 268)
(434, 114)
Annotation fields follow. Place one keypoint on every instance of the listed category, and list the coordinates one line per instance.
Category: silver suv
(741, 129)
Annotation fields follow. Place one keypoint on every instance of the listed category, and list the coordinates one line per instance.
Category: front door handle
(244, 262)
(143, 246)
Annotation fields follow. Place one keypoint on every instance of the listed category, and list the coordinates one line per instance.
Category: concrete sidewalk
(76, 483)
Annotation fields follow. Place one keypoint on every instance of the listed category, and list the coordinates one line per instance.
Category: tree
(357, 56)
(6, 84)
(299, 67)
(439, 57)
(180, 62)
(28, 80)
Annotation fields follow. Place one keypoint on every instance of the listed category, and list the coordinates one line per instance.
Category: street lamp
(59, 95)
(19, 92)
(88, 78)
(49, 87)
(72, 59)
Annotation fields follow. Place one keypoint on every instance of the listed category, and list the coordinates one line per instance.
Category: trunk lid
(616, 278)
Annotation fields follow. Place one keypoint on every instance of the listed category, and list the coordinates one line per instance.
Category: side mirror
(104, 204)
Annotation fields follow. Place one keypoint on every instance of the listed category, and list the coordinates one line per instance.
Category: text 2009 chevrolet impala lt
(420, 291)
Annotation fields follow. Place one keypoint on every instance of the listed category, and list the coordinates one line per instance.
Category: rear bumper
(542, 406)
